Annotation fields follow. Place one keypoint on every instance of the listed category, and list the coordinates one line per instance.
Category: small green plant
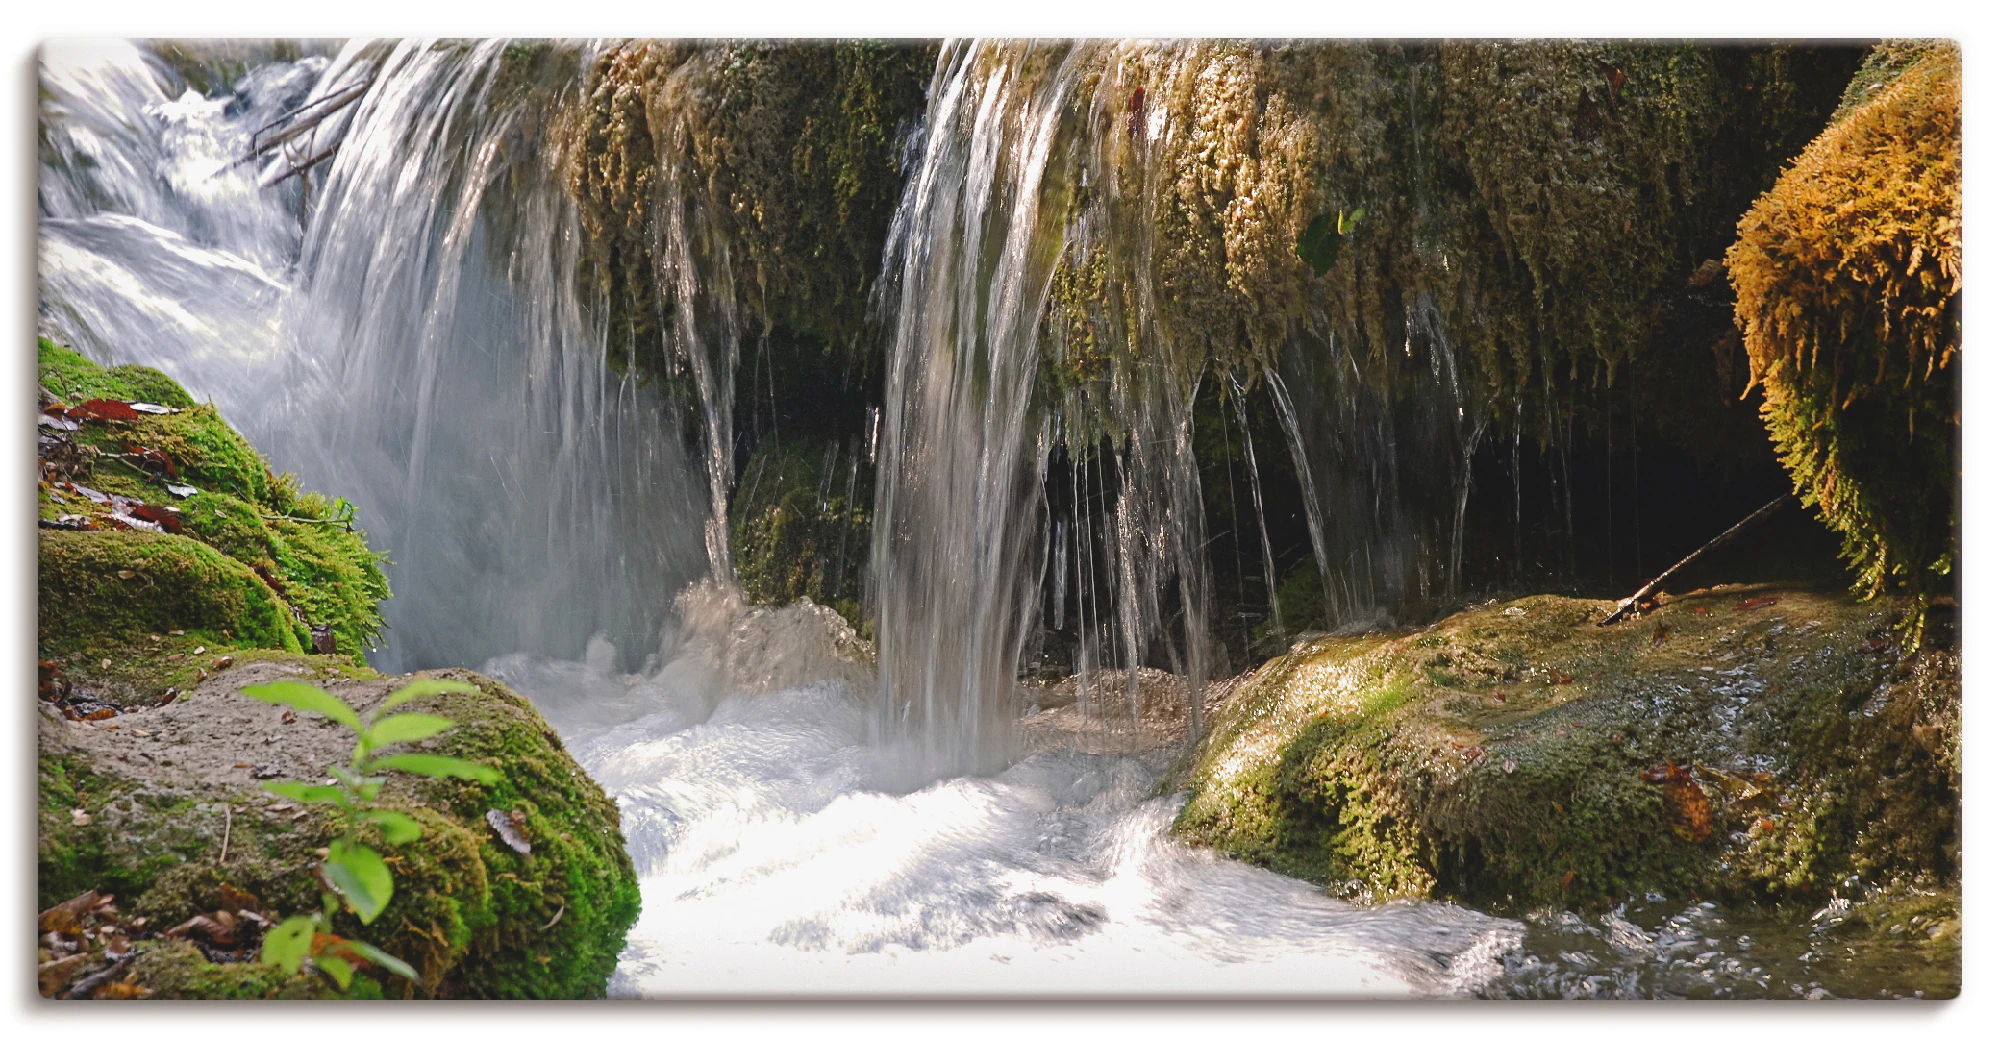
(1319, 243)
(353, 873)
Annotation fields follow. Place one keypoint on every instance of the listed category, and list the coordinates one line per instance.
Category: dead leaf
(168, 519)
(1559, 678)
(152, 457)
(69, 916)
(122, 989)
(1757, 603)
(1568, 878)
(1702, 611)
(324, 942)
(103, 714)
(110, 410)
(51, 976)
(1875, 644)
(1661, 634)
(504, 826)
(1682, 802)
(234, 900)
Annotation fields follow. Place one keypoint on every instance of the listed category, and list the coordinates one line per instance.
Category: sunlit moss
(1847, 277)
(1502, 755)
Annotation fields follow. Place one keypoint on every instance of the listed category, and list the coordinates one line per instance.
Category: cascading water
(421, 347)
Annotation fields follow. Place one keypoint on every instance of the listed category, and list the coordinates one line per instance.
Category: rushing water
(403, 326)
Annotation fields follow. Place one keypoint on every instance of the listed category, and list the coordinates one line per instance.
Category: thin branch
(1630, 605)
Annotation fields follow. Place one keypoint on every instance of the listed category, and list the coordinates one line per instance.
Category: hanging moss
(789, 151)
(1549, 199)
(1847, 277)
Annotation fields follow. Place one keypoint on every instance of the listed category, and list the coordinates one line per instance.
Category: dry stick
(1629, 605)
(301, 167)
(226, 814)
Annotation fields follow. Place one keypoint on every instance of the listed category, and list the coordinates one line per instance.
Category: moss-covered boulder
(163, 808)
(1740, 742)
(223, 555)
(1847, 280)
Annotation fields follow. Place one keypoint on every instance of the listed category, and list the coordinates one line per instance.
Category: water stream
(403, 327)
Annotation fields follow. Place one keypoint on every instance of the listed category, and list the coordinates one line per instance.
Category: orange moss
(1847, 276)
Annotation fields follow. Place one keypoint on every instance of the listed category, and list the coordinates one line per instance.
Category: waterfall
(1000, 205)
(422, 345)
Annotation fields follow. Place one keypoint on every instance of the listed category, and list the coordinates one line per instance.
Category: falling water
(955, 522)
(420, 346)
(1000, 196)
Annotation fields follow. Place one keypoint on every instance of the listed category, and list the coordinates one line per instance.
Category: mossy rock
(476, 918)
(1847, 277)
(1503, 755)
(299, 548)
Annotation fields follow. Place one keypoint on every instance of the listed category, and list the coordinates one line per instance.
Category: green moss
(74, 377)
(1500, 757)
(476, 919)
(178, 970)
(552, 922)
(86, 602)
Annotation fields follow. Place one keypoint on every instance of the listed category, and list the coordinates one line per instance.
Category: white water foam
(782, 852)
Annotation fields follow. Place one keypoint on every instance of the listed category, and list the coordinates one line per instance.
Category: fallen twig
(300, 123)
(1630, 605)
(223, 859)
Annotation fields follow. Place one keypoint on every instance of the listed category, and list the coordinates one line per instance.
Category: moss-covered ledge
(134, 807)
(1743, 742)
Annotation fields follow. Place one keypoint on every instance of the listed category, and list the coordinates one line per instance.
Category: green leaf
(305, 698)
(422, 687)
(336, 967)
(1319, 244)
(430, 765)
(381, 958)
(287, 943)
(1346, 224)
(361, 877)
(405, 728)
(397, 827)
(305, 793)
